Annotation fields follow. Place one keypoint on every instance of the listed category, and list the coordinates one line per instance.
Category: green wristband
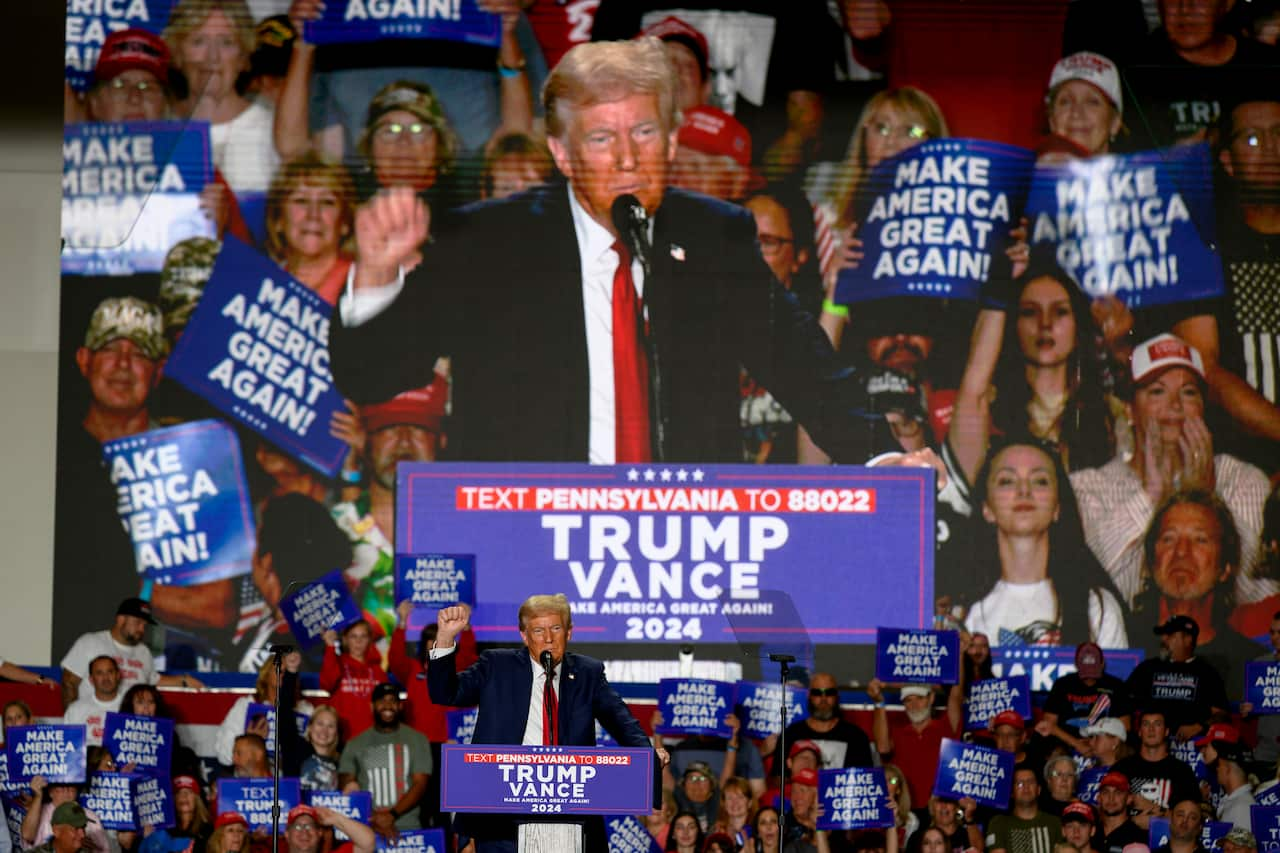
(835, 310)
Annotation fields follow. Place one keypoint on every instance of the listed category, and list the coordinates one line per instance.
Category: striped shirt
(384, 764)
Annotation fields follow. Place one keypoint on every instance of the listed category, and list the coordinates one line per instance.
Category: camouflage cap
(186, 270)
(416, 98)
(130, 318)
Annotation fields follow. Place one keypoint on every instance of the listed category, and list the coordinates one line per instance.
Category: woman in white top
(211, 42)
(1046, 587)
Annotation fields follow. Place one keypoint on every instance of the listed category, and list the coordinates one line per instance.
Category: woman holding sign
(1037, 544)
(310, 217)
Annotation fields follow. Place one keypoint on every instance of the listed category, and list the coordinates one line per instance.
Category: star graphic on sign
(666, 475)
(648, 475)
(697, 475)
(633, 475)
(682, 475)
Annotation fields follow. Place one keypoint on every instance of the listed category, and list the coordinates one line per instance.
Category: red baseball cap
(185, 783)
(228, 818)
(714, 131)
(302, 811)
(805, 777)
(422, 407)
(672, 28)
(1115, 779)
(1219, 733)
(1007, 718)
(1090, 662)
(1077, 811)
(125, 50)
(802, 745)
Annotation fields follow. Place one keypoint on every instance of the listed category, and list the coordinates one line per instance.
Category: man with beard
(1249, 143)
(91, 711)
(1115, 830)
(122, 642)
(1025, 827)
(841, 742)
(391, 761)
(406, 428)
(914, 746)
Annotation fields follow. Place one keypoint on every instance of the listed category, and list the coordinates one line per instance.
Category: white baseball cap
(1105, 726)
(915, 690)
(1091, 68)
(1162, 352)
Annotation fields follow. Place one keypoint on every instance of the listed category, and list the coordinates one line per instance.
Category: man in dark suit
(508, 686)
(525, 295)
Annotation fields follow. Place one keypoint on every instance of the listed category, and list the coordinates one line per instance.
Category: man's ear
(1224, 157)
(560, 154)
(83, 356)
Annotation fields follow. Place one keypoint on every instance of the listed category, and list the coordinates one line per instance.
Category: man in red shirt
(914, 745)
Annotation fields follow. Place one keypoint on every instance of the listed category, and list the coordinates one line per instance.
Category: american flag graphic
(386, 769)
(1100, 707)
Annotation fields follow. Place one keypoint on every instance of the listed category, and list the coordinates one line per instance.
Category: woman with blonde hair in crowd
(310, 219)
(211, 42)
(230, 834)
(236, 722)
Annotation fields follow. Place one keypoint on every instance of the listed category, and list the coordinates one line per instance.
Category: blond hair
(905, 99)
(310, 169)
(190, 15)
(541, 605)
(603, 71)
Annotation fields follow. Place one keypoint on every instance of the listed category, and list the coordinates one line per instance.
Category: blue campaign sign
(130, 192)
(414, 841)
(1138, 227)
(914, 656)
(1046, 664)
(694, 706)
(257, 349)
(549, 780)
(184, 498)
(1186, 752)
(679, 553)
(461, 724)
(153, 800)
(55, 752)
(1265, 821)
(11, 788)
(432, 581)
(357, 805)
(252, 798)
(1268, 794)
(146, 742)
(628, 835)
(991, 696)
(1262, 686)
(854, 798)
(935, 219)
(89, 24)
(110, 796)
(14, 813)
(261, 711)
(968, 770)
(346, 21)
(759, 707)
(1089, 783)
(315, 608)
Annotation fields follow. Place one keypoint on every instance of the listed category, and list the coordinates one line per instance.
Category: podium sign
(546, 780)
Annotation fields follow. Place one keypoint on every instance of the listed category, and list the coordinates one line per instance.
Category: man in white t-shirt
(104, 675)
(123, 642)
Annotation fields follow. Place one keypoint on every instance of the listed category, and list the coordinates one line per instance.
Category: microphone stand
(784, 670)
(275, 763)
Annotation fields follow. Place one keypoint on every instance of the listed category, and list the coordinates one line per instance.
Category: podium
(548, 791)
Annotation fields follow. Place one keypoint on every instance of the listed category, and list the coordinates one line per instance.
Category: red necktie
(550, 713)
(630, 367)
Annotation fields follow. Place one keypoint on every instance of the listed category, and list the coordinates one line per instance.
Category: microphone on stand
(632, 223)
(548, 663)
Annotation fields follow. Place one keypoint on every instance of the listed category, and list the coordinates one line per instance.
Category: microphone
(548, 663)
(632, 224)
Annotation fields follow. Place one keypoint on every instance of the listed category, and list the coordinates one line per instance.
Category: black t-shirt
(1168, 780)
(1171, 99)
(1185, 692)
(844, 746)
(1123, 835)
(1072, 700)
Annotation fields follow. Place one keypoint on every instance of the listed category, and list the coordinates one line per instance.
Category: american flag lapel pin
(677, 252)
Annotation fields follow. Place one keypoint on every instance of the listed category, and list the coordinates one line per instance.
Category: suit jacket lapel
(568, 695)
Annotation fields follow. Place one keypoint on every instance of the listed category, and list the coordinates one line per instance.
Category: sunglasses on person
(819, 692)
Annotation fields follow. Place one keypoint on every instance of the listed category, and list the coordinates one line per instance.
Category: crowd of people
(1105, 469)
